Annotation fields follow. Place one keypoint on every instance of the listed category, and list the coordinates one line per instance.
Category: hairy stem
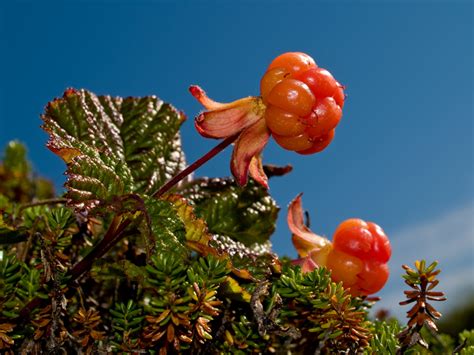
(194, 166)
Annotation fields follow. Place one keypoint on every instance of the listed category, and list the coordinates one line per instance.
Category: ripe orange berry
(320, 81)
(344, 267)
(296, 143)
(368, 243)
(293, 96)
(319, 143)
(293, 62)
(373, 277)
(283, 122)
(364, 240)
(339, 95)
(324, 117)
(356, 241)
(350, 223)
(382, 250)
(270, 79)
(300, 95)
(357, 256)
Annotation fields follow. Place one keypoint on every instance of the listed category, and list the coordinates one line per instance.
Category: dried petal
(303, 238)
(202, 97)
(432, 312)
(249, 144)
(307, 264)
(436, 298)
(185, 338)
(224, 120)
(6, 339)
(6, 327)
(256, 171)
(411, 294)
(433, 285)
(157, 336)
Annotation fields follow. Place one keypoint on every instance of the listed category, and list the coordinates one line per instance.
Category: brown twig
(50, 201)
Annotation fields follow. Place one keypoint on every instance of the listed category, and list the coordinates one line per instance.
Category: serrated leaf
(113, 146)
(165, 225)
(245, 214)
(197, 235)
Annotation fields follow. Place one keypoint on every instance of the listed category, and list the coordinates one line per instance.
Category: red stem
(192, 167)
(112, 237)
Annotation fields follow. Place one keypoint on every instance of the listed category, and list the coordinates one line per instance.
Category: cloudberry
(304, 103)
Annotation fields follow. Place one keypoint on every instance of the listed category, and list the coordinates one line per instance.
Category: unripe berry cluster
(303, 103)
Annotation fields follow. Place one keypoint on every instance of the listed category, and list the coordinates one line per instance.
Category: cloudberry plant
(357, 257)
(120, 264)
(300, 105)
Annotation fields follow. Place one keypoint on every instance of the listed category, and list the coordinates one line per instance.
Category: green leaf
(126, 318)
(164, 226)
(245, 214)
(197, 235)
(113, 146)
(10, 273)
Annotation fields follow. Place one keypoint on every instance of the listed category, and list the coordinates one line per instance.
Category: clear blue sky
(403, 153)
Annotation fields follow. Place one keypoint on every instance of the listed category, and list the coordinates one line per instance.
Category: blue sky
(403, 152)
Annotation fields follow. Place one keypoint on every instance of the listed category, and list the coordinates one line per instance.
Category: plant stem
(112, 237)
(192, 167)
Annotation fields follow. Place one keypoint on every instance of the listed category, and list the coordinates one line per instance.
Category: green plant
(422, 315)
(135, 258)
